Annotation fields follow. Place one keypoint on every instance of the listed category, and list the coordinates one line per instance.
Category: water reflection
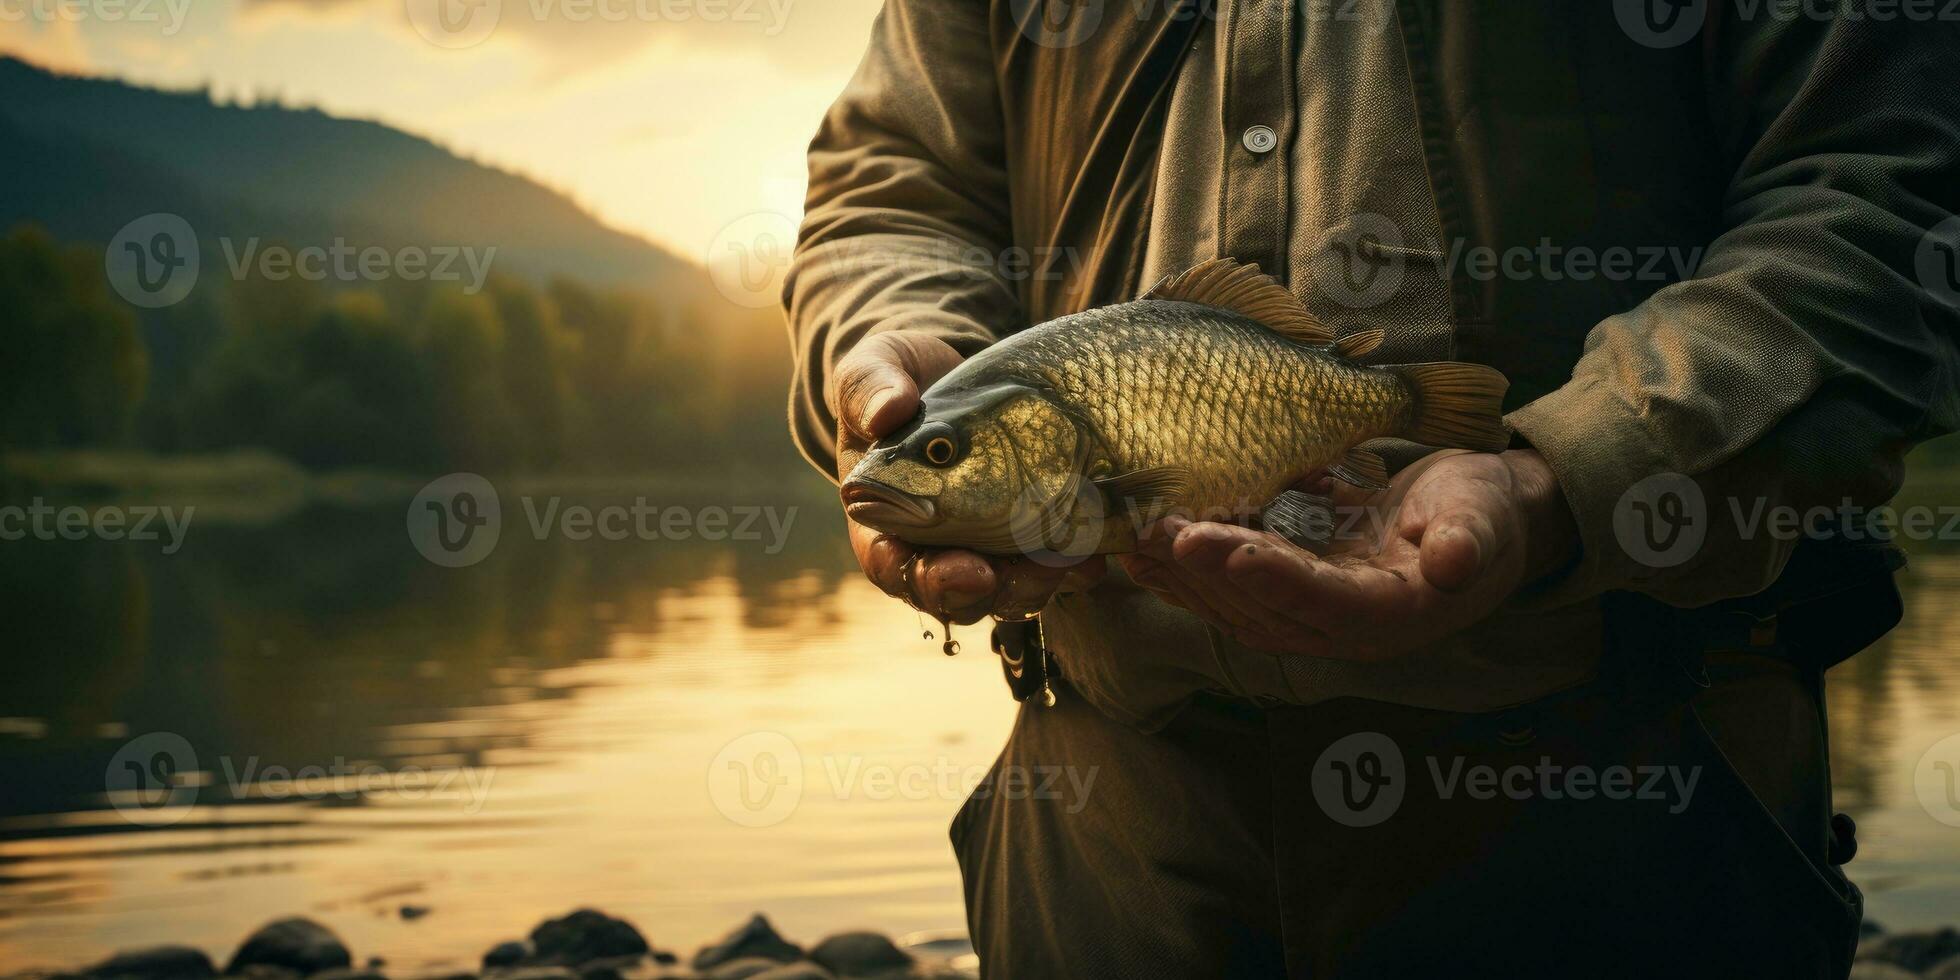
(573, 694)
(581, 694)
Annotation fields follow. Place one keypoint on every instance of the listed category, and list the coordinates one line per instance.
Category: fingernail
(871, 409)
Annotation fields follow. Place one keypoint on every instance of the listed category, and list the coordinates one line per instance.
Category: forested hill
(581, 348)
(83, 156)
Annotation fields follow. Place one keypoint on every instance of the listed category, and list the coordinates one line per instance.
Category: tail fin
(1457, 405)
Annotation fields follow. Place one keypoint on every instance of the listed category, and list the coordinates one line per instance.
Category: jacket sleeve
(1815, 344)
(905, 223)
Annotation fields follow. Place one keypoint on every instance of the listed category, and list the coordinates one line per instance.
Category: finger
(955, 585)
(1332, 598)
(1203, 551)
(1456, 548)
(877, 384)
(1155, 540)
(1024, 586)
(883, 559)
(1162, 580)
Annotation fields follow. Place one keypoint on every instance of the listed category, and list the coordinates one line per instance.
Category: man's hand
(874, 390)
(1453, 537)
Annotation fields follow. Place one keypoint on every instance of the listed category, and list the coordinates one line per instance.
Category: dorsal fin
(1244, 290)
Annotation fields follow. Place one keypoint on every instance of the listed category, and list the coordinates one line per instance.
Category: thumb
(877, 384)
(1456, 548)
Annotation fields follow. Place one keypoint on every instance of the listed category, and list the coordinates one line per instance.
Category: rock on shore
(585, 944)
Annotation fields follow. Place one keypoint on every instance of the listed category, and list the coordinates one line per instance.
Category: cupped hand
(1454, 536)
(874, 390)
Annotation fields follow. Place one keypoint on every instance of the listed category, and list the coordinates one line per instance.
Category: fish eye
(935, 442)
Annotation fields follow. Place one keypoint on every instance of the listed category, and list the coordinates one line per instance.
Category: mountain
(84, 156)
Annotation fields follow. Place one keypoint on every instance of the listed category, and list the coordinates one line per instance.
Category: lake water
(590, 723)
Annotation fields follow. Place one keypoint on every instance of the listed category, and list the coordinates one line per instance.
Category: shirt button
(1260, 139)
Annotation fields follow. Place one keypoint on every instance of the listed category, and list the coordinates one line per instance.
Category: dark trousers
(1674, 827)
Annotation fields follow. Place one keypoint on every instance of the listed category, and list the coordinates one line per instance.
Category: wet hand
(874, 390)
(1453, 537)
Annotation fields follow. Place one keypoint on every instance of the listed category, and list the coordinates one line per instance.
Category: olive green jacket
(987, 169)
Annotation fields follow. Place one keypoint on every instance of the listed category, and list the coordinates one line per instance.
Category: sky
(669, 118)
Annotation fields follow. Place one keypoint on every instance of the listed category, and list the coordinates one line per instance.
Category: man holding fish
(1321, 526)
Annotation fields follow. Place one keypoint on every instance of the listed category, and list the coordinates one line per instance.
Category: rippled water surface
(677, 733)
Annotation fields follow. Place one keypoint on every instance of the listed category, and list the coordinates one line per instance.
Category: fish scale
(1233, 393)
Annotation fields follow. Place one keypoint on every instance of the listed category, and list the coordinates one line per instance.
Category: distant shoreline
(255, 487)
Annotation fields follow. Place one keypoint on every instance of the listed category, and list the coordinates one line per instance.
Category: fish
(1216, 392)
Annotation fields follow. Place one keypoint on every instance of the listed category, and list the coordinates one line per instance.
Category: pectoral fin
(1361, 468)
(1303, 518)
(1149, 492)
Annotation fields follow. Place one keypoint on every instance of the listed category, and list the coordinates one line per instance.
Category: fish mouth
(883, 506)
